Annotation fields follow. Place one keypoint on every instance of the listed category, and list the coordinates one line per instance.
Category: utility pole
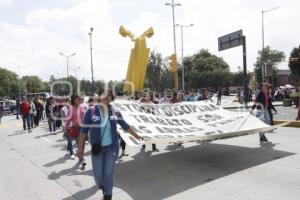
(91, 51)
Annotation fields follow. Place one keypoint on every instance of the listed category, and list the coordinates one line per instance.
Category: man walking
(24, 111)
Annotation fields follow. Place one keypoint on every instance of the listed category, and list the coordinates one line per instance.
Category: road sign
(231, 40)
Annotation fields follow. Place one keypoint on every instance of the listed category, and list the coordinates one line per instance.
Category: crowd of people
(93, 122)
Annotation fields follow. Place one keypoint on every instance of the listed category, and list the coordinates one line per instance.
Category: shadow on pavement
(163, 175)
(60, 160)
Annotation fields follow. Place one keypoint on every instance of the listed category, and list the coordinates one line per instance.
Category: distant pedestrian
(1, 112)
(39, 111)
(263, 105)
(32, 112)
(18, 107)
(219, 97)
(298, 116)
(50, 114)
(73, 123)
(25, 114)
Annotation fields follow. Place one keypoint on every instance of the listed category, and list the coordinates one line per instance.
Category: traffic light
(173, 63)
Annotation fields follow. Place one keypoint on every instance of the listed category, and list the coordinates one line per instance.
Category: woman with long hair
(101, 122)
(73, 123)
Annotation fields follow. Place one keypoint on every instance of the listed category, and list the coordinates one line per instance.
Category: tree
(32, 84)
(204, 69)
(152, 79)
(294, 62)
(238, 78)
(268, 57)
(8, 82)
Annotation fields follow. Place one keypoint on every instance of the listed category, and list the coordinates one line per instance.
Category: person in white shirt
(64, 112)
(164, 99)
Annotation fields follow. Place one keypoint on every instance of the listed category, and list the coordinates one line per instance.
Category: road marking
(47, 140)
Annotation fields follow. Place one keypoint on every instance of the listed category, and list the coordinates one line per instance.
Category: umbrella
(288, 86)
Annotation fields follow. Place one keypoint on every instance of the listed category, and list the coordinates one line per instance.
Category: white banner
(186, 121)
(225, 100)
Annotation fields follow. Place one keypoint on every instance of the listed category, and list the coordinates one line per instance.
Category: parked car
(9, 107)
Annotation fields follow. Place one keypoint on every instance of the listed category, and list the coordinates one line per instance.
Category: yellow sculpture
(138, 59)
(173, 69)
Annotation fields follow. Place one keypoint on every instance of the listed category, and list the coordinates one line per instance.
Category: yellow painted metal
(173, 69)
(139, 55)
(295, 124)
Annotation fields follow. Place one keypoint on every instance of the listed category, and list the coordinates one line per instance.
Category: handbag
(74, 131)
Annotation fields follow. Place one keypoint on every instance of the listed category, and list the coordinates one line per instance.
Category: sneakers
(72, 157)
(263, 139)
(124, 154)
(107, 197)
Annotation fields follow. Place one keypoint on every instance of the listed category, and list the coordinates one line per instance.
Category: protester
(32, 112)
(147, 99)
(18, 107)
(58, 107)
(1, 112)
(175, 98)
(298, 116)
(63, 114)
(164, 99)
(219, 97)
(50, 114)
(73, 123)
(270, 108)
(104, 140)
(262, 104)
(24, 112)
(39, 111)
(123, 147)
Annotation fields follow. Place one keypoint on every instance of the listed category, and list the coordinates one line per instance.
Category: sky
(33, 32)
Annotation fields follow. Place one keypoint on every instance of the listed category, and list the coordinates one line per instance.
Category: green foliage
(32, 84)
(158, 76)
(268, 56)
(83, 87)
(294, 62)
(8, 82)
(297, 94)
(204, 69)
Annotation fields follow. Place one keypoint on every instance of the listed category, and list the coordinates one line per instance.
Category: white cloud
(5, 2)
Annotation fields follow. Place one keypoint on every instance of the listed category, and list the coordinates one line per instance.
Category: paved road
(283, 113)
(34, 166)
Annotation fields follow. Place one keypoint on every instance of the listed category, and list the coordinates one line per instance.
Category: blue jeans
(52, 125)
(103, 167)
(264, 116)
(26, 120)
(70, 144)
(31, 117)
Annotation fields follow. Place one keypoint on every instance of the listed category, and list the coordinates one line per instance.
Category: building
(283, 76)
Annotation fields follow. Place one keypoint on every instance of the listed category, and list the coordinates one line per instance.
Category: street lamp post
(75, 70)
(182, 63)
(173, 5)
(263, 36)
(91, 51)
(67, 57)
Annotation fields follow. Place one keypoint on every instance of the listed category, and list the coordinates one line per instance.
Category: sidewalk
(233, 169)
(21, 179)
